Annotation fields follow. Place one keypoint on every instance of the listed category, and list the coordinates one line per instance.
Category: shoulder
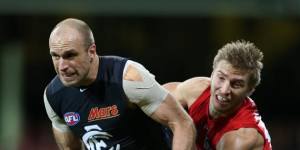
(134, 71)
(54, 86)
(243, 138)
(112, 58)
(111, 64)
(199, 83)
(188, 91)
(192, 88)
(141, 88)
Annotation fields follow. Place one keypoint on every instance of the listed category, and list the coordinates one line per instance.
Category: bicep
(243, 138)
(142, 89)
(169, 112)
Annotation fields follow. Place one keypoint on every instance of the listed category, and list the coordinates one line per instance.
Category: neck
(95, 68)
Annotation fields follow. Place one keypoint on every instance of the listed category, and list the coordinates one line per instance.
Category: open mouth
(221, 100)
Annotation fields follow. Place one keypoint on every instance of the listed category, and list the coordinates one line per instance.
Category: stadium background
(175, 40)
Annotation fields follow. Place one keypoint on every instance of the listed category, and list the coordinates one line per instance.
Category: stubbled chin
(69, 84)
(68, 81)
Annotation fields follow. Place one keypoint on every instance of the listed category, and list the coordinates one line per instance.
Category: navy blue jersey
(101, 115)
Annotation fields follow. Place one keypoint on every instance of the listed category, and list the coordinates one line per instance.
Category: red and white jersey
(211, 130)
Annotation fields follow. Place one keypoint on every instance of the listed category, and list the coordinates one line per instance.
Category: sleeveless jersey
(101, 115)
(209, 131)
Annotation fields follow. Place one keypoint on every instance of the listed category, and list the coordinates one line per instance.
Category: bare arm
(173, 115)
(172, 88)
(244, 138)
(142, 89)
(67, 141)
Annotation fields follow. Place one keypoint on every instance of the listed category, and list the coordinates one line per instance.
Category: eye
(69, 55)
(54, 56)
(237, 84)
(221, 78)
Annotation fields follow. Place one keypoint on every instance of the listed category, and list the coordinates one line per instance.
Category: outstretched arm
(172, 88)
(173, 115)
(142, 89)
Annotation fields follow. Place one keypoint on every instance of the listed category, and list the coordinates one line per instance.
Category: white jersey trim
(57, 123)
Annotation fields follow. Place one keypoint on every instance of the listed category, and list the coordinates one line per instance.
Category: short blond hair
(242, 55)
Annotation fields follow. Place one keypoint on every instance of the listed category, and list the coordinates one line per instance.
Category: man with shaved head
(105, 102)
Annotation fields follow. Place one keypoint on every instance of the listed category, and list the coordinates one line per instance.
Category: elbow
(187, 126)
(185, 134)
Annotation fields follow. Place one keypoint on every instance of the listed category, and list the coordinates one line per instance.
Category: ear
(92, 50)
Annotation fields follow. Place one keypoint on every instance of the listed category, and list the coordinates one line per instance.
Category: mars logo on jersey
(100, 113)
(72, 118)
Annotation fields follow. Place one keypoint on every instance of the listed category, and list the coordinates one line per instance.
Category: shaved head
(73, 52)
(74, 26)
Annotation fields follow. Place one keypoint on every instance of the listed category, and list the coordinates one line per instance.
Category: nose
(63, 64)
(225, 88)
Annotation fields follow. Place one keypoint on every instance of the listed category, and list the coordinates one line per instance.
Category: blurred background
(175, 40)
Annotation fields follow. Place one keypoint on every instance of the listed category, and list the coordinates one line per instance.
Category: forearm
(184, 136)
(171, 114)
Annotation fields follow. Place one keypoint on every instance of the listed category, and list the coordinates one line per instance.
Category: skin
(76, 65)
(229, 87)
(171, 114)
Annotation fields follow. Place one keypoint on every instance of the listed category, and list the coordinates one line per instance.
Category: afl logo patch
(71, 118)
